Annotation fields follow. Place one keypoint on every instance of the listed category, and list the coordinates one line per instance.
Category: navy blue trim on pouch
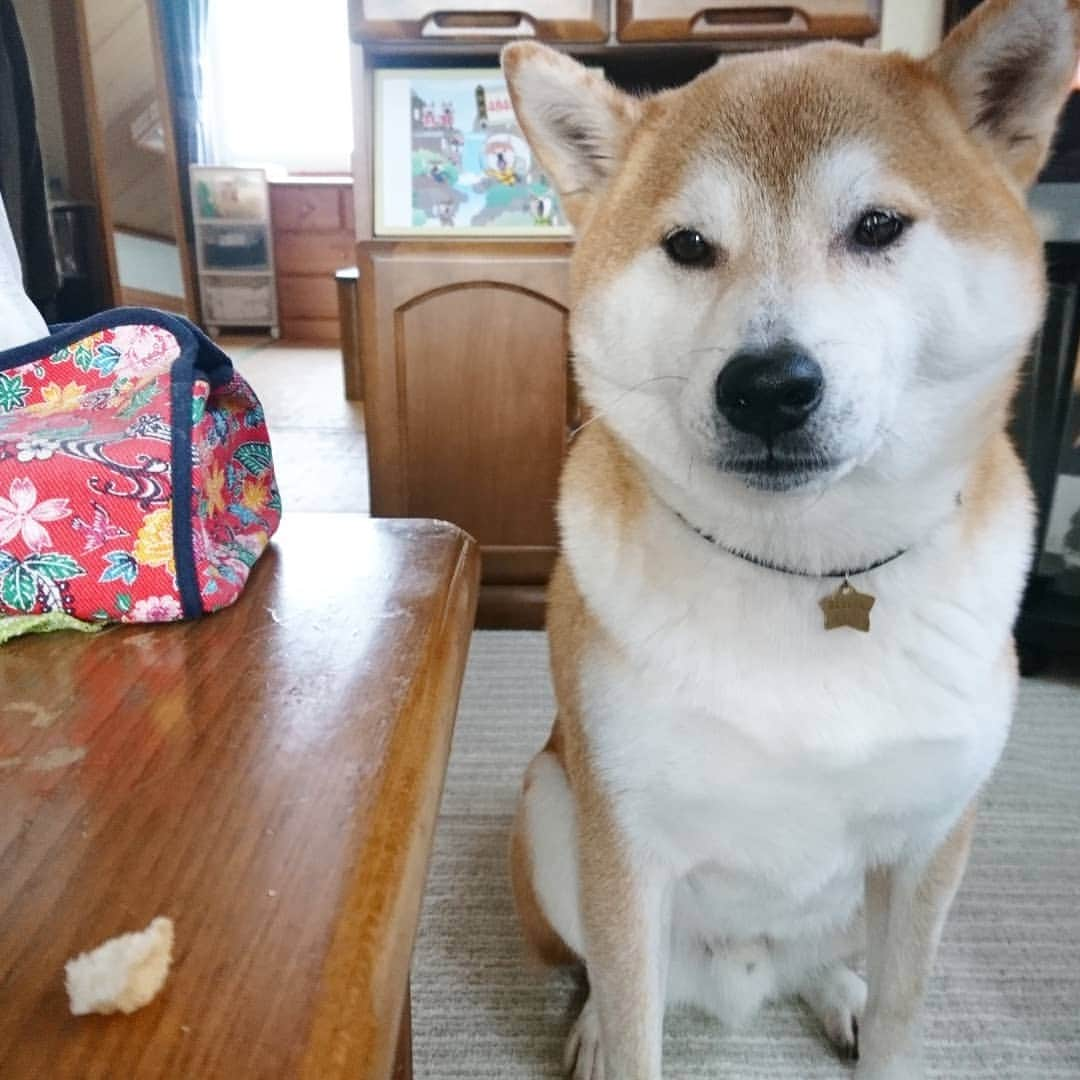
(200, 359)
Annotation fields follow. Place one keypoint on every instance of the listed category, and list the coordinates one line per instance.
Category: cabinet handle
(749, 19)
(485, 24)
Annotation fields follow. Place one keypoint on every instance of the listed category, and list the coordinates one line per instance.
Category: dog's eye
(688, 247)
(878, 229)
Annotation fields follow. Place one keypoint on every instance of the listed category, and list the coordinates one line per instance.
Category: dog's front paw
(584, 1057)
(838, 997)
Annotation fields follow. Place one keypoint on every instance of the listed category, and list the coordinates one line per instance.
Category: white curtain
(278, 90)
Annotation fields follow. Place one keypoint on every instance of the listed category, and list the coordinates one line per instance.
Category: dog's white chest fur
(769, 761)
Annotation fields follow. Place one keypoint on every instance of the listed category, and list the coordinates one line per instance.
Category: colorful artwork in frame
(450, 159)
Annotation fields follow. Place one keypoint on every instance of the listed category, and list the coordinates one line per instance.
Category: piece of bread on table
(123, 974)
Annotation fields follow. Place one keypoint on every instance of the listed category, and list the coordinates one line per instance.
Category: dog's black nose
(767, 393)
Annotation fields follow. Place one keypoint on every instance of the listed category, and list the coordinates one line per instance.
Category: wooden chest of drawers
(314, 237)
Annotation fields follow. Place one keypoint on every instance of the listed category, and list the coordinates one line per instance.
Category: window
(277, 84)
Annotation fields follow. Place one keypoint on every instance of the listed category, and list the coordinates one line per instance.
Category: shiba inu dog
(795, 536)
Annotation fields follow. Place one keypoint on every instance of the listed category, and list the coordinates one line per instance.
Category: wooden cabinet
(479, 20)
(739, 20)
(314, 237)
(468, 401)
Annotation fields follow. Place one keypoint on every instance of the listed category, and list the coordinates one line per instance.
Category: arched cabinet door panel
(467, 396)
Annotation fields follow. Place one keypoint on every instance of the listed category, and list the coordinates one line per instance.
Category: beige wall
(35, 21)
(912, 25)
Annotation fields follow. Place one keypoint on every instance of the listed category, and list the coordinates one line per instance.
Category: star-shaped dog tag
(847, 607)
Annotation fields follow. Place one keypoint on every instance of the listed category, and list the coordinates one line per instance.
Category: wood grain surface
(269, 778)
(313, 253)
(302, 207)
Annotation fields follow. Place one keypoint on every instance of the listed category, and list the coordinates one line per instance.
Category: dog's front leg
(626, 905)
(906, 907)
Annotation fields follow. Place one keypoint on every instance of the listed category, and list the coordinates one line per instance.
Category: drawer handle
(478, 24)
(748, 19)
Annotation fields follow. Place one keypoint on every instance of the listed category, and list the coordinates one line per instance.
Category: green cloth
(14, 626)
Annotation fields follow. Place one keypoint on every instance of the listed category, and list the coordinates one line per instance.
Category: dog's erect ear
(1008, 68)
(576, 122)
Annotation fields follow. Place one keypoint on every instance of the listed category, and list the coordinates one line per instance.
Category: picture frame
(451, 161)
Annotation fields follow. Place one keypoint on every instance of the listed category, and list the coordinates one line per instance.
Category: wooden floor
(320, 452)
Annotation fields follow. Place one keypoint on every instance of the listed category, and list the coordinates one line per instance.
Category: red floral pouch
(136, 481)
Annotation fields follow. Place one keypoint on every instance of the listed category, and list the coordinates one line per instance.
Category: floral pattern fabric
(87, 499)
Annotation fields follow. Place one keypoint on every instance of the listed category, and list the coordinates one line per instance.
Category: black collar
(794, 571)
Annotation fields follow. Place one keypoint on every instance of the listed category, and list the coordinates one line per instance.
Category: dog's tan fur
(959, 152)
(542, 939)
(905, 916)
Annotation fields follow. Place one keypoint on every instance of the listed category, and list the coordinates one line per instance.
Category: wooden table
(268, 777)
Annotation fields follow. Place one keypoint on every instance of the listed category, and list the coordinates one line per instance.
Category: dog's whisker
(601, 413)
(704, 349)
(826, 342)
(637, 386)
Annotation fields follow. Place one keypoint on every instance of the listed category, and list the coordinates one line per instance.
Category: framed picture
(450, 159)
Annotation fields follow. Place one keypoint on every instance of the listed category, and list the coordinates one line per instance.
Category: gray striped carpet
(1005, 1001)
